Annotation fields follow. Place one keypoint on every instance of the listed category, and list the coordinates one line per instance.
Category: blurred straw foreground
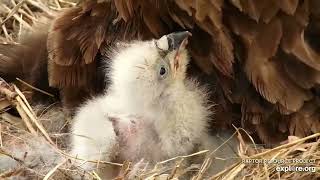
(41, 129)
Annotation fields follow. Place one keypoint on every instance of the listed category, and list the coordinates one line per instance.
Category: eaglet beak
(176, 41)
(172, 41)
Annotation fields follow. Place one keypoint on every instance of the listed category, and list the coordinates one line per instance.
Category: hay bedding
(33, 143)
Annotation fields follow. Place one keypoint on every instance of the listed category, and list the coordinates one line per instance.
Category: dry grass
(253, 163)
(18, 14)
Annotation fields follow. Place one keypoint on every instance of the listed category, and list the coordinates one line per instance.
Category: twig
(286, 145)
(8, 37)
(96, 176)
(235, 172)
(18, 18)
(225, 142)
(175, 169)
(180, 157)
(4, 152)
(50, 173)
(205, 165)
(13, 11)
(32, 87)
(1, 143)
(11, 173)
(68, 3)
(34, 120)
(25, 119)
(23, 98)
(8, 93)
(41, 6)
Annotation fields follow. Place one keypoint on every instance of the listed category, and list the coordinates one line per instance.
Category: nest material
(19, 15)
(42, 132)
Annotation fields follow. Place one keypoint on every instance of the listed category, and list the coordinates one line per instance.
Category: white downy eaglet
(151, 111)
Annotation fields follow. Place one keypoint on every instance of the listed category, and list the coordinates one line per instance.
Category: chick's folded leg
(93, 137)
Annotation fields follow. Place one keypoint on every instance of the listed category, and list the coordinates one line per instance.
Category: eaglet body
(151, 110)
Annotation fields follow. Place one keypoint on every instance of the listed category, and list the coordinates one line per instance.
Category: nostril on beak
(175, 39)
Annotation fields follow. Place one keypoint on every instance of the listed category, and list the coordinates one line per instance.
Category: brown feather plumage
(73, 45)
(19, 60)
(264, 55)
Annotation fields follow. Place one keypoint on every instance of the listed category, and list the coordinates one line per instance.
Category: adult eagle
(261, 56)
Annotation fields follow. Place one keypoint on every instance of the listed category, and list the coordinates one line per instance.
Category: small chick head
(147, 68)
(173, 48)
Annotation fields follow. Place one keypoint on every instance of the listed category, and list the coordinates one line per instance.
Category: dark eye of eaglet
(163, 71)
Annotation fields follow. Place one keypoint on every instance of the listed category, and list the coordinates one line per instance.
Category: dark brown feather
(27, 60)
(263, 55)
(73, 43)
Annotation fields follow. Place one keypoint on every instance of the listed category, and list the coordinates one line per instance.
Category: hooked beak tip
(178, 39)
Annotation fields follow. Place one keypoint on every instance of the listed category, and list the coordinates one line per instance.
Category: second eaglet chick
(151, 111)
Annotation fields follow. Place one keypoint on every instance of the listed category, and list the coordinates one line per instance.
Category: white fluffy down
(144, 115)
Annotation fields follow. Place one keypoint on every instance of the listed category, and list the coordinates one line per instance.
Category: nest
(41, 130)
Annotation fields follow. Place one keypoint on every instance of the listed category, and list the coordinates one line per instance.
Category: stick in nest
(17, 98)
